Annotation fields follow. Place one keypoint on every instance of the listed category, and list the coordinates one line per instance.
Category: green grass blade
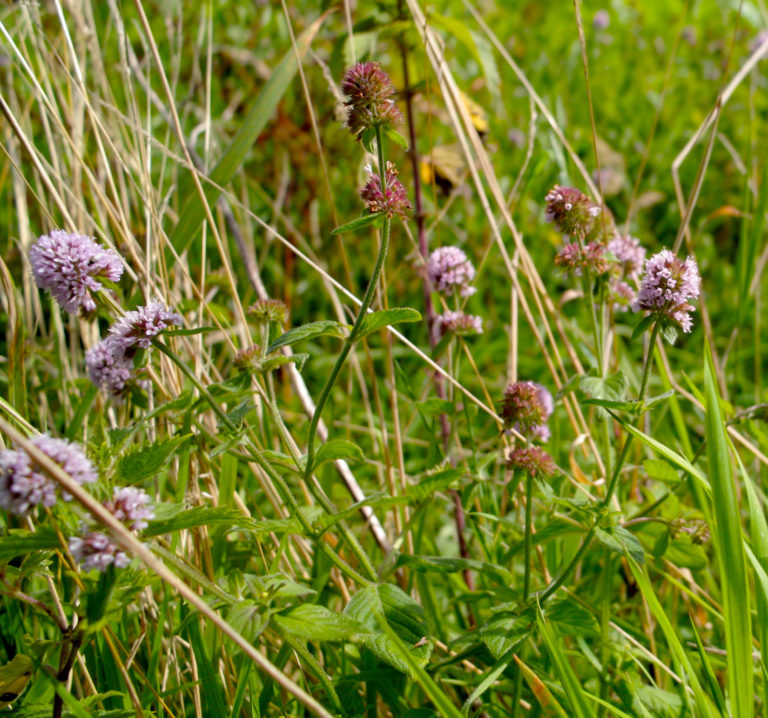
(679, 656)
(193, 212)
(729, 546)
(571, 684)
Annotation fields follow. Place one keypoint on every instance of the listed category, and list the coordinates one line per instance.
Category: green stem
(350, 340)
(649, 361)
(277, 480)
(528, 518)
(614, 478)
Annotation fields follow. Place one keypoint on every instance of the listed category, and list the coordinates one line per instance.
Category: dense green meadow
(428, 387)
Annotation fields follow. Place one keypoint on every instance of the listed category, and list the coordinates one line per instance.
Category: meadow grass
(465, 443)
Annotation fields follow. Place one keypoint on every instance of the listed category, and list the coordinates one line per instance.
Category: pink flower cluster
(667, 286)
(571, 211)
(95, 549)
(110, 362)
(69, 267)
(526, 408)
(370, 102)
(451, 322)
(392, 200)
(23, 486)
(449, 270)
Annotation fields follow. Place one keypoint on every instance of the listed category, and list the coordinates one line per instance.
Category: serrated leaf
(621, 541)
(19, 542)
(374, 218)
(387, 317)
(404, 616)
(447, 564)
(305, 332)
(432, 483)
(200, 516)
(273, 362)
(146, 461)
(316, 623)
(338, 449)
(248, 619)
(571, 618)
(612, 387)
(503, 632)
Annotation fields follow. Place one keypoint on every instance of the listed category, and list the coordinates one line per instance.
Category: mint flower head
(449, 270)
(629, 253)
(576, 259)
(95, 549)
(531, 459)
(136, 329)
(108, 367)
(370, 104)
(571, 211)
(526, 407)
(456, 323)
(667, 286)
(69, 266)
(393, 200)
(23, 485)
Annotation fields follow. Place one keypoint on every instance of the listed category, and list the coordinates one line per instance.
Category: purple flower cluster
(110, 362)
(24, 486)
(526, 407)
(667, 286)
(571, 211)
(629, 253)
(393, 200)
(69, 267)
(95, 549)
(370, 102)
(449, 270)
(531, 459)
(136, 329)
(456, 323)
(577, 259)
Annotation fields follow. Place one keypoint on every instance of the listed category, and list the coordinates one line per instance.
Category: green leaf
(729, 544)
(146, 461)
(189, 332)
(200, 516)
(338, 449)
(432, 483)
(390, 604)
(396, 137)
(316, 623)
(385, 318)
(374, 218)
(661, 471)
(613, 387)
(446, 564)
(505, 631)
(571, 618)
(264, 106)
(19, 542)
(621, 541)
(642, 326)
(326, 327)
(248, 619)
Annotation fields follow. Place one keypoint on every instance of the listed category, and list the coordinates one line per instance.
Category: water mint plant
(301, 433)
